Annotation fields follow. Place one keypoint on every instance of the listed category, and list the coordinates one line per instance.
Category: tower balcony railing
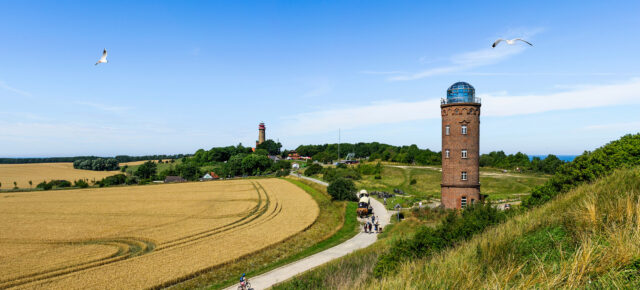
(446, 101)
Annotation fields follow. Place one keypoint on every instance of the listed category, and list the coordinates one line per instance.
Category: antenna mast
(338, 145)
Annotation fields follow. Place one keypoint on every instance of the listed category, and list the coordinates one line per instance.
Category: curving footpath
(359, 241)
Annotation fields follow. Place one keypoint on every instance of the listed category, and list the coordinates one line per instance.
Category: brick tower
(261, 134)
(460, 146)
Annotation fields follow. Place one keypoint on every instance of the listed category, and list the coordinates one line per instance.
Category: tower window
(464, 153)
(446, 153)
(464, 129)
(464, 175)
(463, 202)
(446, 130)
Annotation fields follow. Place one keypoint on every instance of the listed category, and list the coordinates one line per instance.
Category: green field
(498, 185)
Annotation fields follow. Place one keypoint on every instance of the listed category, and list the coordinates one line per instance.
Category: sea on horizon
(565, 158)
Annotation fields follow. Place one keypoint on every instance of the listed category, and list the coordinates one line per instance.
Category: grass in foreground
(588, 238)
(357, 267)
(336, 223)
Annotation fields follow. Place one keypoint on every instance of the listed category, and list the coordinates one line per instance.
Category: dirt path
(286, 272)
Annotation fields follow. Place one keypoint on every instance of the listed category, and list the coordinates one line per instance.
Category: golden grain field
(39, 172)
(142, 236)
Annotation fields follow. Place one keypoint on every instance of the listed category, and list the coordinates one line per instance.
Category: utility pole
(338, 145)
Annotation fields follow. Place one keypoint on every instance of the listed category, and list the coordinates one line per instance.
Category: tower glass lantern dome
(461, 92)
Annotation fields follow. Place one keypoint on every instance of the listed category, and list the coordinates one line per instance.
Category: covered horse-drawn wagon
(364, 204)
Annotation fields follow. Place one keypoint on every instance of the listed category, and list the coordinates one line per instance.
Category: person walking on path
(366, 227)
(370, 228)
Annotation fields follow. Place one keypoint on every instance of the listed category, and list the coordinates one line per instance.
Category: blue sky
(188, 75)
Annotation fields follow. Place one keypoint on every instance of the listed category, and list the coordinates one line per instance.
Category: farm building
(170, 179)
(210, 176)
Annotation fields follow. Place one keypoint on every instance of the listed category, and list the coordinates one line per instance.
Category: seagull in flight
(103, 59)
(510, 41)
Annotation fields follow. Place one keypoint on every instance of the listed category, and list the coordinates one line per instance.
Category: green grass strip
(349, 229)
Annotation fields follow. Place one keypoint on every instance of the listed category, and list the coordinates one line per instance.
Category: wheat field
(142, 236)
(39, 172)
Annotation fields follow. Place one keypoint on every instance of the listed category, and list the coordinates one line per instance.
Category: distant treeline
(520, 161)
(100, 164)
(414, 155)
(374, 150)
(119, 158)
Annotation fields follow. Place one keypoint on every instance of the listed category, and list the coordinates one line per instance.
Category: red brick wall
(453, 187)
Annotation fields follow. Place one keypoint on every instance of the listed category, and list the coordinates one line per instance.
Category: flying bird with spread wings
(103, 59)
(510, 41)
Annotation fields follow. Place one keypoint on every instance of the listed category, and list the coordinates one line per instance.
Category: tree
(254, 164)
(15, 185)
(313, 169)
(233, 167)
(188, 171)
(271, 146)
(30, 183)
(342, 189)
(324, 157)
(81, 183)
(146, 170)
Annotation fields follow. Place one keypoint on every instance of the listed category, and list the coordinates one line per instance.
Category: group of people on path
(372, 225)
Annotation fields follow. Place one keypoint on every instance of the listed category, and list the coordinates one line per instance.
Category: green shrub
(81, 183)
(454, 228)
(44, 185)
(313, 169)
(413, 181)
(331, 174)
(342, 189)
(283, 172)
(623, 152)
(60, 183)
(112, 180)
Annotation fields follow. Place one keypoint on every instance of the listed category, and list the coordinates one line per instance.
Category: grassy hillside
(589, 237)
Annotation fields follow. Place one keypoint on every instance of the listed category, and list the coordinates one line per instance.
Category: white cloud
(628, 126)
(499, 105)
(3, 85)
(103, 107)
(468, 60)
(373, 72)
(465, 61)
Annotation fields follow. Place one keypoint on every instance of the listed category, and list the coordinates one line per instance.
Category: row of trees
(99, 164)
(498, 159)
(374, 150)
(120, 158)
